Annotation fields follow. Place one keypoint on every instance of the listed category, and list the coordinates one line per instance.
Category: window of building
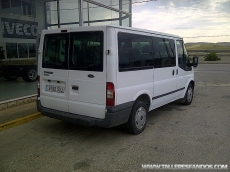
(6, 6)
(16, 7)
(23, 50)
(135, 52)
(20, 50)
(52, 14)
(32, 50)
(66, 10)
(164, 52)
(26, 8)
(2, 53)
(11, 50)
(19, 7)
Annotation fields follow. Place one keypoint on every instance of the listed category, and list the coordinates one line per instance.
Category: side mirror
(195, 61)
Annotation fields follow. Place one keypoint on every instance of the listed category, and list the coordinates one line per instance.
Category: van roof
(114, 26)
(144, 30)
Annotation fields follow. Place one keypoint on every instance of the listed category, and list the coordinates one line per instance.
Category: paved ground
(10, 114)
(16, 89)
(175, 134)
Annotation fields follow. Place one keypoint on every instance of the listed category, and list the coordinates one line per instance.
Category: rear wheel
(187, 100)
(29, 74)
(10, 74)
(138, 118)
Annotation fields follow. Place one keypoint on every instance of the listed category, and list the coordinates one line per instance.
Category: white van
(111, 75)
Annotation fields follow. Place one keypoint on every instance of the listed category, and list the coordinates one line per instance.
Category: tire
(29, 74)
(187, 100)
(138, 118)
(10, 74)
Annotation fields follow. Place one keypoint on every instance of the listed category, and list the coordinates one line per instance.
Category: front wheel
(138, 118)
(187, 100)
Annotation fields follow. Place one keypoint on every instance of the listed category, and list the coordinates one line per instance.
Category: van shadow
(63, 130)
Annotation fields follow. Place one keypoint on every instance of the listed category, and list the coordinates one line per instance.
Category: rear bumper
(115, 115)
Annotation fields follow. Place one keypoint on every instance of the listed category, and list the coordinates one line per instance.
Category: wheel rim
(189, 94)
(32, 74)
(140, 118)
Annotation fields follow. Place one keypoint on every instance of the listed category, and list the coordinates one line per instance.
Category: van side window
(164, 52)
(86, 51)
(182, 54)
(134, 51)
(55, 54)
(183, 59)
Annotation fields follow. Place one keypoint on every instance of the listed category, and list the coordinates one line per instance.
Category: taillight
(110, 94)
(38, 85)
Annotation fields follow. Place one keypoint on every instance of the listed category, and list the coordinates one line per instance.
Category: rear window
(74, 51)
(86, 51)
(55, 53)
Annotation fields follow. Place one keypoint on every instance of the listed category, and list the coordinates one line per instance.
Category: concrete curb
(20, 121)
(18, 101)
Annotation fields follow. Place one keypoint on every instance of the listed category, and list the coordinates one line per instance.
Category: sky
(185, 18)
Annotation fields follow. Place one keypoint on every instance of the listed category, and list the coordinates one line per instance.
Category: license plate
(57, 89)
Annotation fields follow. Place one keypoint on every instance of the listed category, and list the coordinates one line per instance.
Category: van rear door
(87, 73)
(54, 71)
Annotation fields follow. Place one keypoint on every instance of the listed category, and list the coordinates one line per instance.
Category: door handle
(173, 72)
(176, 71)
(75, 87)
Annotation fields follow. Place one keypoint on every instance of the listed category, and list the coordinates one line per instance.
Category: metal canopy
(80, 4)
(107, 7)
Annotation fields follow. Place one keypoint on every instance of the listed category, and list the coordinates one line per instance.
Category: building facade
(23, 20)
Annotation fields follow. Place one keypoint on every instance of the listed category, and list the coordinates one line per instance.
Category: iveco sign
(12, 28)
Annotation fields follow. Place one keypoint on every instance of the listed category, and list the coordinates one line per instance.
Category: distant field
(202, 49)
(208, 47)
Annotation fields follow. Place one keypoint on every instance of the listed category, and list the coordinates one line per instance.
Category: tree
(212, 57)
